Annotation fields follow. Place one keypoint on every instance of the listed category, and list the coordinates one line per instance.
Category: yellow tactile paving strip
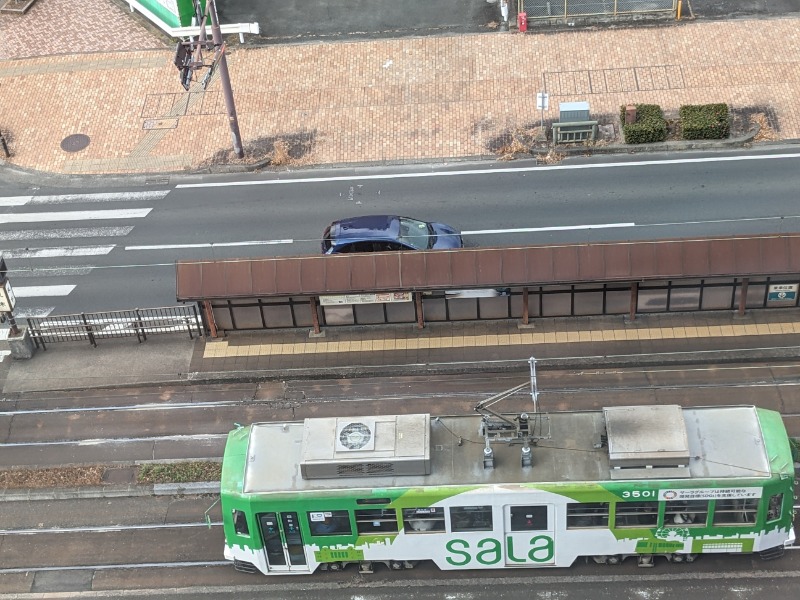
(223, 349)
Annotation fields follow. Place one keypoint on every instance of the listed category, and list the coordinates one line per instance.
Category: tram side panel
(517, 526)
(481, 526)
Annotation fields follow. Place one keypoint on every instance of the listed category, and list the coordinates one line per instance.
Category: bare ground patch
(99, 475)
(292, 149)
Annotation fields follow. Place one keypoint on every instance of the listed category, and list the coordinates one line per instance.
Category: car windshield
(416, 234)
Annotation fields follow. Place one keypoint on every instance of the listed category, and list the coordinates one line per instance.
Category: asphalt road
(103, 248)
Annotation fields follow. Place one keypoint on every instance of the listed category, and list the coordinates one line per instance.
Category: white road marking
(75, 232)
(55, 252)
(37, 312)
(52, 271)
(557, 228)
(714, 221)
(640, 163)
(120, 441)
(74, 198)
(108, 529)
(111, 567)
(42, 290)
(132, 407)
(15, 200)
(211, 245)
(76, 215)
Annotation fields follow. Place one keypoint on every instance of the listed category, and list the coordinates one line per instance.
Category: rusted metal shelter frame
(626, 263)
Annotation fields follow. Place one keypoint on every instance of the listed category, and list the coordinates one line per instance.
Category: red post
(522, 22)
(212, 325)
(312, 303)
(525, 312)
(743, 296)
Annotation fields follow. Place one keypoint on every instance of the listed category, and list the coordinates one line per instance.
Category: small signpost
(542, 104)
(542, 101)
(7, 299)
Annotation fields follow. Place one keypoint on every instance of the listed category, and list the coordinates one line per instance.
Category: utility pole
(189, 58)
(225, 80)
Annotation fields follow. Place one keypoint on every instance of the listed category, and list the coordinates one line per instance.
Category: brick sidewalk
(411, 99)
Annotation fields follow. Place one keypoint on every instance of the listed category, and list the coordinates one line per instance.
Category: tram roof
(723, 443)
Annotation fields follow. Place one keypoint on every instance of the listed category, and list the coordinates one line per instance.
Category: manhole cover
(74, 142)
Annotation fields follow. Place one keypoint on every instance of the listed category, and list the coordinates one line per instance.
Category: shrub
(650, 125)
(705, 121)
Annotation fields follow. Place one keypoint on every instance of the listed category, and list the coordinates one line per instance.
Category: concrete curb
(263, 166)
(670, 146)
(456, 368)
(508, 365)
(110, 491)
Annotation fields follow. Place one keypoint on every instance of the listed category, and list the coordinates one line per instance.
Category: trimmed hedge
(650, 125)
(705, 121)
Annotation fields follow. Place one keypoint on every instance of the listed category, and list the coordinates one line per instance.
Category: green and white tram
(641, 481)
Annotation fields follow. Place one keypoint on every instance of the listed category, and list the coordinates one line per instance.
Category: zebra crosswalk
(39, 255)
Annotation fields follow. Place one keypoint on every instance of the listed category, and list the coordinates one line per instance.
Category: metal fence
(565, 9)
(589, 299)
(139, 322)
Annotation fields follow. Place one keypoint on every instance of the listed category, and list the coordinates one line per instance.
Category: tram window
(775, 507)
(240, 523)
(373, 501)
(331, 522)
(736, 511)
(471, 518)
(529, 518)
(589, 514)
(376, 520)
(423, 520)
(637, 514)
(688, 513)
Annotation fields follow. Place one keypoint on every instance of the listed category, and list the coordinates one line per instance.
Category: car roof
(368, 227)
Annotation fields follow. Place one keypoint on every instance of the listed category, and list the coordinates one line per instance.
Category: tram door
(283, 541)
(529, 535)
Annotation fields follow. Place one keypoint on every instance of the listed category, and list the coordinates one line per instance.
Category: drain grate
(74, 142)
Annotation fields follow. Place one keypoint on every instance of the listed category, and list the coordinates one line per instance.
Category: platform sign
(379, 298)
(7, 299)
(783, 292)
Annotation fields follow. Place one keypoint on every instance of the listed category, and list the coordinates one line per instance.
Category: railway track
(154, 542)
(166, 424)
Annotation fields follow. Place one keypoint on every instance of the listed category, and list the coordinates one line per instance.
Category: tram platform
(574, 342)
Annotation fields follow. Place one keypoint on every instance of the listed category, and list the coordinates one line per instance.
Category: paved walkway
(576, 342)
(413, 99)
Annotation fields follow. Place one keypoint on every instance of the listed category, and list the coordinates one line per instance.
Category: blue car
(381, 233)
